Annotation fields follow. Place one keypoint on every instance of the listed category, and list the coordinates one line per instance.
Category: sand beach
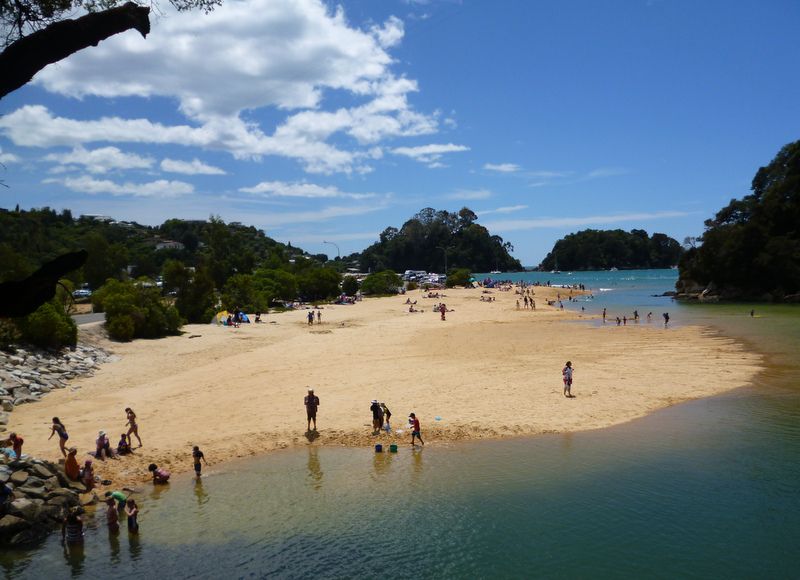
(488, 371)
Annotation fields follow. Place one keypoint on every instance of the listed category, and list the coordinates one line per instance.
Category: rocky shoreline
(26, 374)
(42, 496)
(42, 493)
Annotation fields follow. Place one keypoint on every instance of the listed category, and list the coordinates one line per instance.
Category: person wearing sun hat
(103, 444)
(311, 402)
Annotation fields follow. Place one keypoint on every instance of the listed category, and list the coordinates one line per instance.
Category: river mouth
(701, 489)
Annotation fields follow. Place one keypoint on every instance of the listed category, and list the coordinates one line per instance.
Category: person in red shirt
(414, 424)
(16, 444)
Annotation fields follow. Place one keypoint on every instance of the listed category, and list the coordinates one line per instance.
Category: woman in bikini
(58, 427)
(134, 428)
(132, 511)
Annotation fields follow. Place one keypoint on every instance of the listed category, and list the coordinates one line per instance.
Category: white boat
(495, 272)
(613, 269)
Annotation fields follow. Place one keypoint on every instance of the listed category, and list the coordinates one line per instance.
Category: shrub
(350, 285)
(9, 333)
(49, 326)
(458, 277)
(386, 282)
(319, 283)
(121, 328)
(136, 303)
(412, 285)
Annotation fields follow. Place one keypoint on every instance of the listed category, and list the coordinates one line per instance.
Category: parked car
(82, 293)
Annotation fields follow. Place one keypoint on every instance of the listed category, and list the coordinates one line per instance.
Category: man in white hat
(311, 402)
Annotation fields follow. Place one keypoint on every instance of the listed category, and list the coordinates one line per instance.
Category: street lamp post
(338, 253)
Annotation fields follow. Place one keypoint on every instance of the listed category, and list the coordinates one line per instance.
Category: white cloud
(319, 238)
(99, 160)
(7, 157)
(313, 216)
(300, 189)
(607, 172)
(159, 188)
(429, 154)
(244, 56)
(544, 174)
(468, 194)
(502, 167)
(193, 167)
(504, 209)
(514, 225)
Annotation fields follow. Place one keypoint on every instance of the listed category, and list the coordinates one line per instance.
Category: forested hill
(29, 238)
(751, 248)
(606, 249)
(423, 242)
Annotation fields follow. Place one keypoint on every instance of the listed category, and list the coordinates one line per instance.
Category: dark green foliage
(140, 302)
(350, 285)
(604, 249)
(319, 283)
(242, 291)
(458, 277)
(277, 284)
(751, 248)
(423, 240)
(49, 327)
(385, 282)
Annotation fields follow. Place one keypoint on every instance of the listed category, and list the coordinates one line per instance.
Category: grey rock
(7, 406)
(10, 525)
(40, 470)
(30, 492)
(25, 508)
(19, 477)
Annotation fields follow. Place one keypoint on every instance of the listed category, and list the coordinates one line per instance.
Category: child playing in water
(132, 511)
(159, 475)
(413, 423)
(197, 455)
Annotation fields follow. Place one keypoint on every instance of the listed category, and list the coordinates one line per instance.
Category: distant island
(437, 240)
(750, 250)
(607, 249)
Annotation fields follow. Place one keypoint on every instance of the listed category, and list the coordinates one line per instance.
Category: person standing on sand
(442, 309)
(310, 317)
(311, 401)
(377, 416)
(413, 422)
(604, 314)
(666, 318)
(134, 428)
(58, 427)
(567, 374)
(319, 316)
(387, 415)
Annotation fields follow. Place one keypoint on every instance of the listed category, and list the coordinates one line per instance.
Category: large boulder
(10, 525)
(19, 478)
(26, 509)
(40, 470)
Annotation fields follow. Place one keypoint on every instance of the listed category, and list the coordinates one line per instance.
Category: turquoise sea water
(705, 489)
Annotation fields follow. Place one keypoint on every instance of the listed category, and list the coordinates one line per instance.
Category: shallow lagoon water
(703, 489)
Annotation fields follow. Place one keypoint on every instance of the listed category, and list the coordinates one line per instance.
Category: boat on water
(613, 269)
(495, 272)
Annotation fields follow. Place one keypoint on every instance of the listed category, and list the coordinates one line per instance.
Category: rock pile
(26, 375)
(42, 495)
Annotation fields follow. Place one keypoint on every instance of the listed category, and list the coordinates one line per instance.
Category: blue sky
(329, 122)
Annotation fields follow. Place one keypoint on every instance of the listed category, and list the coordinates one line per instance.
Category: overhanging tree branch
(30, 54)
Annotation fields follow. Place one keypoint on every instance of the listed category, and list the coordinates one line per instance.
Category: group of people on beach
(310, 317)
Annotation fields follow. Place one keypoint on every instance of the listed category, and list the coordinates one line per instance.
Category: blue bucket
(379, 448)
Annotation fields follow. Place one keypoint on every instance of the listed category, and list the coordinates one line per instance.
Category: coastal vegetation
(604, 249)
(383, 282)
(437, 241)
(751, 248)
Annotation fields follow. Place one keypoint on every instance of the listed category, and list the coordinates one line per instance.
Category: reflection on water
(75, 556)
(314, 469)
(113, 545)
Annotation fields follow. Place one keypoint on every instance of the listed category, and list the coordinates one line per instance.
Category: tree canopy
(431, 238)
(605, 249)
(751, 248)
